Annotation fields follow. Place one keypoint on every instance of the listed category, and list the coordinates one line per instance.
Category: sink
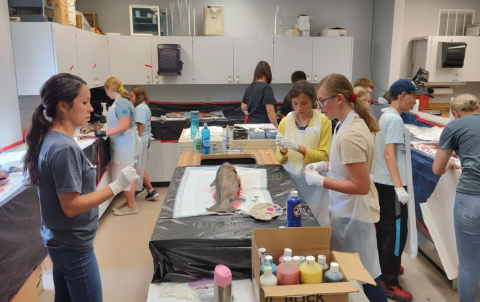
(233, 161)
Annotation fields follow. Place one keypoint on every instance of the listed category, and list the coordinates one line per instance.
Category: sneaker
(140, 193)
(151, 196)
(397, 293)
(122, 205)
(125, 211)
(402, 270)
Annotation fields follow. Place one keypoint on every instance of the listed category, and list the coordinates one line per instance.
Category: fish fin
(213, 183)
(222, 208)
(237, 198)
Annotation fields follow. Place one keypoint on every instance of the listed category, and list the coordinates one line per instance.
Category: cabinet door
(65, 48)
(444, 74)
(93, 65)
(332, 55)
(130, 59)
(153, 166)
(213, 60)
(291, 54)
(186, 55)
(247, 52)
(472, 60)
(170, 157)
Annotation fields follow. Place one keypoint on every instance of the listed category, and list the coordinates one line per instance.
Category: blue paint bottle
(294, 210)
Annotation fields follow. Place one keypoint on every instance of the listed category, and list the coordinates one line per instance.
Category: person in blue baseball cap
(392, 178)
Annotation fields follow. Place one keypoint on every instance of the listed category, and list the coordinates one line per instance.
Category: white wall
(471, 88)
(9, 112)
(28, 104)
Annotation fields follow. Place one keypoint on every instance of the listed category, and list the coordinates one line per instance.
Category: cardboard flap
(318, 238)
(309, 289)
(352, 267)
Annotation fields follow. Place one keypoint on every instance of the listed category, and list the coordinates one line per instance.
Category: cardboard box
(39, 279)
(61, 12)
(305, 242)
(294, 32)
(31, 289)
(331, 31)
(47, 265)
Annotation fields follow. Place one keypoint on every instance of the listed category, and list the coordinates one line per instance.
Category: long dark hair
(262, 70)
(63, 87)
(302, 87)
(141, 95)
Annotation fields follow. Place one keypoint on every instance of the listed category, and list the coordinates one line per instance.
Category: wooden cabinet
(332, 55)
(291, 54)
(213, 60)
(247, 52)
(130, 59)
(93, 61)
(186, 55)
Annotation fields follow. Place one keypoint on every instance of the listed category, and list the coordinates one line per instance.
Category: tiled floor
(126, 265)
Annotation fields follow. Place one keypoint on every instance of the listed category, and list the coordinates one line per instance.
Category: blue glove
(314, 179)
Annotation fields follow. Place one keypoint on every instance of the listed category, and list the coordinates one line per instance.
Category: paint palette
(266, 211)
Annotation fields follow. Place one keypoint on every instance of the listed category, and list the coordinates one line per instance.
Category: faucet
(240, 146)
(229, 133)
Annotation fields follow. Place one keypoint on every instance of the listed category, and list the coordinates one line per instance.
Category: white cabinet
(247, 52)
(170, 157)
(186, 55)
(42, 50)
(130, 59)
(472, 59)
(291, 54)
(213, 60)
(154, 167)
(93, 63)
(332, 55)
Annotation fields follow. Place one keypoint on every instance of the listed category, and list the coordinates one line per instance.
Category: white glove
(402, 195)
(314, 179)
(246, 112)
(289, 143)
(124, 180)
(319, 167)
(278, 142)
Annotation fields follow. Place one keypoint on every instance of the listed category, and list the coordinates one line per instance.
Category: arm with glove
(392, 166)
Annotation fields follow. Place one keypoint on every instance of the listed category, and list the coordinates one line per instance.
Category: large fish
(226, 189)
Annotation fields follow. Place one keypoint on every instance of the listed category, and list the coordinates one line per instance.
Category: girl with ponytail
(352, 195)
(66, 184)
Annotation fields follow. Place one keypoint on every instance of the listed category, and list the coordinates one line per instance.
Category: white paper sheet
(425, 133)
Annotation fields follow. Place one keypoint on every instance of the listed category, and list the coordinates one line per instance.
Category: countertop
(263, 157)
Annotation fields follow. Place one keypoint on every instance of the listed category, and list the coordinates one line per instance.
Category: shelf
(143, 18)
(156, 24)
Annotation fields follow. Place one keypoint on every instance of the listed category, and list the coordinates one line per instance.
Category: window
(453, 22)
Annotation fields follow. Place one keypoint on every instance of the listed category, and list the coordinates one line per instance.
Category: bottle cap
(267, 270)
(268, 260)
(194, 111)
(302, 258)
(310, 260)
(287, 252)
(294, 193)
(287, 260)
(205, 125)
(297, 260)
(222, 276)
(322, 259)
(262, 250)
(282, 227)
(334, 267)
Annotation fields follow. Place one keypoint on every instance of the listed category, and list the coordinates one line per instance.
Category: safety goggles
(322, 102)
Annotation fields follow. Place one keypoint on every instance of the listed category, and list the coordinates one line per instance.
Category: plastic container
(194, 123)
(269, 262)
(205, 139)
(257, 134)
(222, 280)
(268, 279)
(197, 143)
(286, 253)
(333, 275)
(294, 210)
(287, 272)
(297, 260)
(322, 260)
(270, 134)
(424, 101)
(302, 259)
(278, 25)
(262, 251)
(310, 271)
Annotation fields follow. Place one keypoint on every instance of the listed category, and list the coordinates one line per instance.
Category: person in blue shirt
(66, 185)
(139, 98)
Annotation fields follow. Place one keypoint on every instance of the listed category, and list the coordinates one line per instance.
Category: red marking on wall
(71, 68)
(149, 66)
(94, 65)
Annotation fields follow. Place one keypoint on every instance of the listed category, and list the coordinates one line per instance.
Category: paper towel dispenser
(169, 59)
(453, 54)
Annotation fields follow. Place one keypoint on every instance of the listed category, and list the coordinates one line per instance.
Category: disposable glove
(124, 180)
(318, 167)
(278, 141)
(402, 195)
(289, 143)
(100, 133)
(314, 179)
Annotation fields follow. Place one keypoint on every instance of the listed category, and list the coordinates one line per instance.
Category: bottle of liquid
(224, 142)
(205, 139)
(310, 271)
(263, 252)
(268, 278)
(294, 210)
(278, 26)
(286, 253)
(333, 275)
(302, 259)
(297, 260)
(287, 272)
(197, 141)
(269, 262)
(194, 120)
(222, 280)
(322, 260)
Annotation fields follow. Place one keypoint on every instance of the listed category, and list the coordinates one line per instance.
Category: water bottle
(294, 210)
(222, 280)
(205, 139)
(198, 143)
(194, 120)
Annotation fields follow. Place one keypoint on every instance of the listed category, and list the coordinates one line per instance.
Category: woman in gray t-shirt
(463, 136)
(66, 183)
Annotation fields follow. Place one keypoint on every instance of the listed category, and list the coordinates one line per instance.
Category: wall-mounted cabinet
(213, 60)
(332, 55)
(93, 60)
(186, 55)
(247, 52)
(291, 54)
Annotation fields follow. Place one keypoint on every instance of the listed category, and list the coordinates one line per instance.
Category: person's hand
(124, 180)
(319, 167)
(402, 195)
(100, 133)
(314, 179)
(289, 143)
(451, 165)
(278, 142)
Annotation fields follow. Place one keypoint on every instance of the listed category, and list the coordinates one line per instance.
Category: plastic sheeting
(189, 248)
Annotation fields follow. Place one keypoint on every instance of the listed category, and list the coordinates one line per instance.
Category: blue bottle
(194, 123)
(205, 139)
(269, 262)
(294, 210)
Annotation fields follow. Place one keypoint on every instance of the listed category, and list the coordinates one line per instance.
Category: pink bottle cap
(223, 276)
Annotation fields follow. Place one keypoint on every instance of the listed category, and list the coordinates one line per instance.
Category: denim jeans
(467, 232)
(76, 276)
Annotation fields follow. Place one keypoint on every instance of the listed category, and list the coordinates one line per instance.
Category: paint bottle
(287, 272)
(333, 275)
(310, 271)
(286, 253)
(267, 278)
(222, 280)
(198, 143)
(205, 139)
(194, 123)
(263, 252)
(302, 259)
(297, 260)
(269, 262)
(294, 210)
(322, 260)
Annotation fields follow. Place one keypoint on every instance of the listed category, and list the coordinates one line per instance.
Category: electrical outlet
(208, 99)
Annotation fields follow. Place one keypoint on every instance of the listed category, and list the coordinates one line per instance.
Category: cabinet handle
(148, 79)
(229, 78)
(316, 78)
(238, 79)
(308, 77)
(156, 79)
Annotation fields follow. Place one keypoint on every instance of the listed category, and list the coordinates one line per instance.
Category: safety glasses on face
(322, 102)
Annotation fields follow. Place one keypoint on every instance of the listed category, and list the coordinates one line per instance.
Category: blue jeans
(76, 276)
(375, 293)
(467, 232)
